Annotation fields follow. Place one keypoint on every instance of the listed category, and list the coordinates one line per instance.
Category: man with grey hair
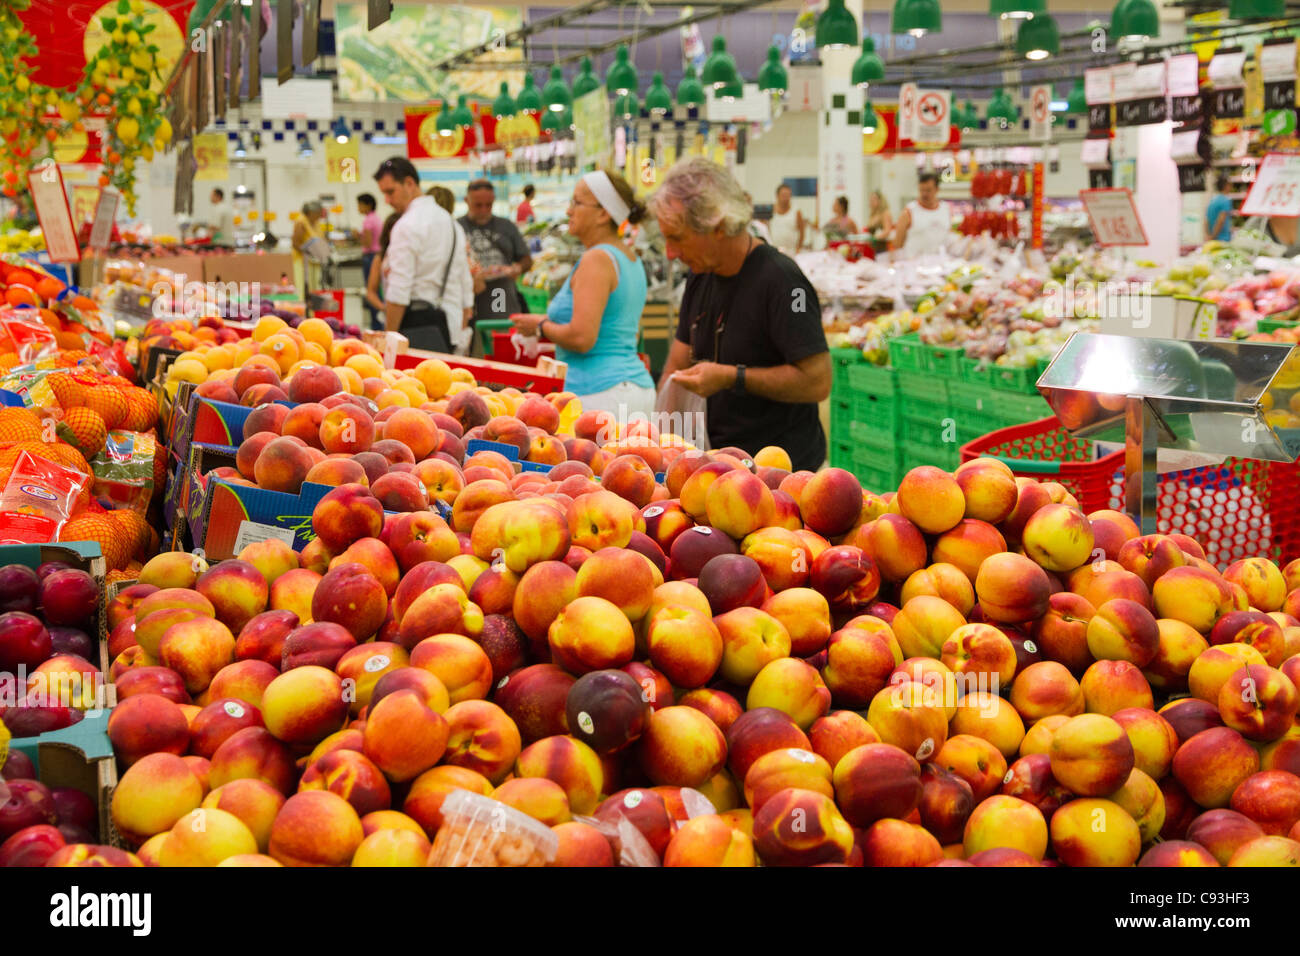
(749, 333)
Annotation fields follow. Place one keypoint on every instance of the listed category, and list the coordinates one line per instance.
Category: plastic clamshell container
(480, 831)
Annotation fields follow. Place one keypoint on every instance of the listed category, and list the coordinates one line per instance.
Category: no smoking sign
(933, 108)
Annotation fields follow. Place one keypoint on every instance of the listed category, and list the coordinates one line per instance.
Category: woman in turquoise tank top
(594, 319)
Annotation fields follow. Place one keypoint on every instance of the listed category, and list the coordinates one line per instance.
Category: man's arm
(1218, 224)
(900, 228)
(805, 381)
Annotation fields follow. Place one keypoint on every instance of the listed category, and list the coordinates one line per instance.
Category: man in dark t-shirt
(500, 251)
(749, 333)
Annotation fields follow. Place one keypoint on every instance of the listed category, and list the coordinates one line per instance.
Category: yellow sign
(874, 141)
(437, 145)
(343, 160)
(164, 33)
(84, 201)
(210, 157)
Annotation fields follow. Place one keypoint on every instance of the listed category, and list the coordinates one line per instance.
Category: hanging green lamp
(529, 100)
(504, 105)
(772, 77)
(462, 115)
(586, 80)
(970, 116)
(690, 91)
(445, 122)
(870, 118)
(555, 95)
(552, 121)
(658, 99)
(1077, 101)
(917, 17)
(621, 77)
(869, 67)
(1017, 9)
(836, 28)
(626, 106)
(720, 68)
(1039, 38)
(1135, 21)
(1257, 9)
(1001, 111)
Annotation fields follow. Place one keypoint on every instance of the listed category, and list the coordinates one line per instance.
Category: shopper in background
(1218, 214)
(749, 332)
(419, 264)
(595, 317)
(756, 226)
(498, 248)
(222, 230)
(787, 223)
(524, 213)
(310, 247)
(925, 223)
(459, 295)
(369, 238)
(444, 197)
(879, 222)
(374, 278)
(841, 226)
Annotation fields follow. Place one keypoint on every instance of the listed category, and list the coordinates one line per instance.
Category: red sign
(1036, 209)
(52, 209)
(888, 115)
(1114, 217)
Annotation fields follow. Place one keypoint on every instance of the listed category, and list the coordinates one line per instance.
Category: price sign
(52, 209)
(105, 212)
(1276, 190)
(1114, 217)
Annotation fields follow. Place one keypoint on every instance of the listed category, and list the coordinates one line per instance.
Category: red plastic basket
(1238, 509)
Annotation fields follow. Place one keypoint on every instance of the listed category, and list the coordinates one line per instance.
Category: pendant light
(870, 119)
(445, 124)
(658, 99)
(1017, 9)
(240, 150)
(586, 80)
(340, 130)
(917, 17)
(1037, 39)
(627, 107)
(869, 67)
(970, 118)
(720, 67)
(773, 76)
(462, 116)
(1001, 111)
(1077, 101)
(1257, 9)
(690, 91)
(529, 100)
(621, 77)
(836, 28)
(555, 95)
(1135, 21)
(731, 92)
(551, 121)
(504, 105)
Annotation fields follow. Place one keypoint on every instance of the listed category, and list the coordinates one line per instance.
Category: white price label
(1225, 71)
(1097, 86)
(1095, 152)
(52, 209)
(1123, 78)
(105, 212)
(1114, 217)
(251, 532)
(1277, 61)
(1276, 190)
(1182, 74)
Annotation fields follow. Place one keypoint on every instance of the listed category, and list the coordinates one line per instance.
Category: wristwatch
(739, 387)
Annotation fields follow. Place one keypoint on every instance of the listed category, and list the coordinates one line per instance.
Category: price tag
(1182, 75)
(1225, 71)
(1123, 78)
(1097, 87)
(1276, 191)
(251, 532)
(1114, 217)
(1095, 153)
(105, 213)
(1277, 61)
(52, 209)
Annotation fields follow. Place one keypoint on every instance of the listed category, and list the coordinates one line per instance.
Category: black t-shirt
(765, 315)
(498, 243)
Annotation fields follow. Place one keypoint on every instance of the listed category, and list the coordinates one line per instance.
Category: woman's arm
(593, 281)
(372, 284)
(298, 233)
(886, 222)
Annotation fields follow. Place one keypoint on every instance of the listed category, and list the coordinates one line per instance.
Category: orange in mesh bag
(37, 500)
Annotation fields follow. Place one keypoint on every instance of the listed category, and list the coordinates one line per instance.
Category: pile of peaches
(735, 666)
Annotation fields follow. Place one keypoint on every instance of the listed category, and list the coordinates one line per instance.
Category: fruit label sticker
(585, 723)
(926, 748)
(233, 709)
(654, 511)
(802, 756)
(503, 681)
(1031, 647)
(1007, 777)
(701, 529)
(377, 663)
(252, 532)
(633, 799)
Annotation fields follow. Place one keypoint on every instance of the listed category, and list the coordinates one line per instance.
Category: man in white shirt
(419, 266)
(223, 224)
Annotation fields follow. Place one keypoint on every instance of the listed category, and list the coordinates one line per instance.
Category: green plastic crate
(1022, 381)
(907, 352)
(944, 359)
(842, 360)
(877, 418)
(841, 454)
(1272, 325)
(972, 406)
(974, 372)
(872, 442)
(922, 386)
(941, 455)
(535, 300)
(879, 480)
(871, 379)
(1016, 409)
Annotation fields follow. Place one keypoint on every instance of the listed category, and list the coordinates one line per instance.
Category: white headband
(603, 189)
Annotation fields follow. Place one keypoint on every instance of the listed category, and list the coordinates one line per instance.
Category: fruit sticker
(633, 799)
(379, 662)
(233, 709)
(585, 723)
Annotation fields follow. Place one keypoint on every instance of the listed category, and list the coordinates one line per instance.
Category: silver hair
(709, 196)
(312, 208)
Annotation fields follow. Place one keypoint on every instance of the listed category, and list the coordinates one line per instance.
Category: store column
(839, 141)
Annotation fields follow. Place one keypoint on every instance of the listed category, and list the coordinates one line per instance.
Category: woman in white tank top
(786, 228)
(925, 223)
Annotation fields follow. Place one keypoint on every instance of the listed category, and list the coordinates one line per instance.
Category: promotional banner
(343, 160)
(211, 164)
(591, 121)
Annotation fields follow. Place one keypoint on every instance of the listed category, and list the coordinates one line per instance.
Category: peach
(304, 705)
(293, 591)
(351, 596)
(1191, 595)
(1153, 738)
(1258, 702)
(1150, 556)
(1189, 716)
(1265, 586)
(442, 480)
(989, 489)
(252, 753)
(946, 803)
(414, 429)
(1110, 686)
(1012, 589)
(400, 491)
(975, 761)
(428, 687)
(601, 519)
(876, 781)
(940, 683)
(265, 418)
(1222, 832)
(482, 738)
(1061, 633)
(931, 499)
(459, 663)
(792, 687)
(427, 792)
(197, 649)
(967, 545)
(442, 609)
(737, 503)
(858, 664)
(582, 845)
(346, 514)
(836, 733)
(750, 640)
(205, 837)
(785, 768)
(153, 793)
(1177, 853)
(321, 643)
(346, 429)
(1046, 689)
(250, 449)
(237, 590)
(571, 764)
(144, 724)
(711, 841)
(980, 649)
(282, 466)
(684, 644)
(1179, 647)
(801, 828)
(1123, 630)
(1006, 822)
(361, 668)
(543, 800)
(1058, 537)
(263, 637)
(908, 716)
(390, 848)
(1212, 764)
(1093, 832)
(351, 775)
(621, 577)
(1030, 778)
(591, 633)
(217, 722)
(171, 570)
(1254, 628)
(403, 736)
(941, 580)
(1141, 798)
(1038, 739)
(923, 625)
(991, 718)
(1212, 668)
(629, 477)
(315, 828)
(1268, 851)
(252, 802)
(1271, 798)
(781, 556)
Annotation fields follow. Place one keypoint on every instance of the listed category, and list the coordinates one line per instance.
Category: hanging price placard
(1276, 190)
(1114, 217)
(52, 209)
(1182, 73)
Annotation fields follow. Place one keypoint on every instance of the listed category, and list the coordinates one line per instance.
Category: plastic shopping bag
(683, 413)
